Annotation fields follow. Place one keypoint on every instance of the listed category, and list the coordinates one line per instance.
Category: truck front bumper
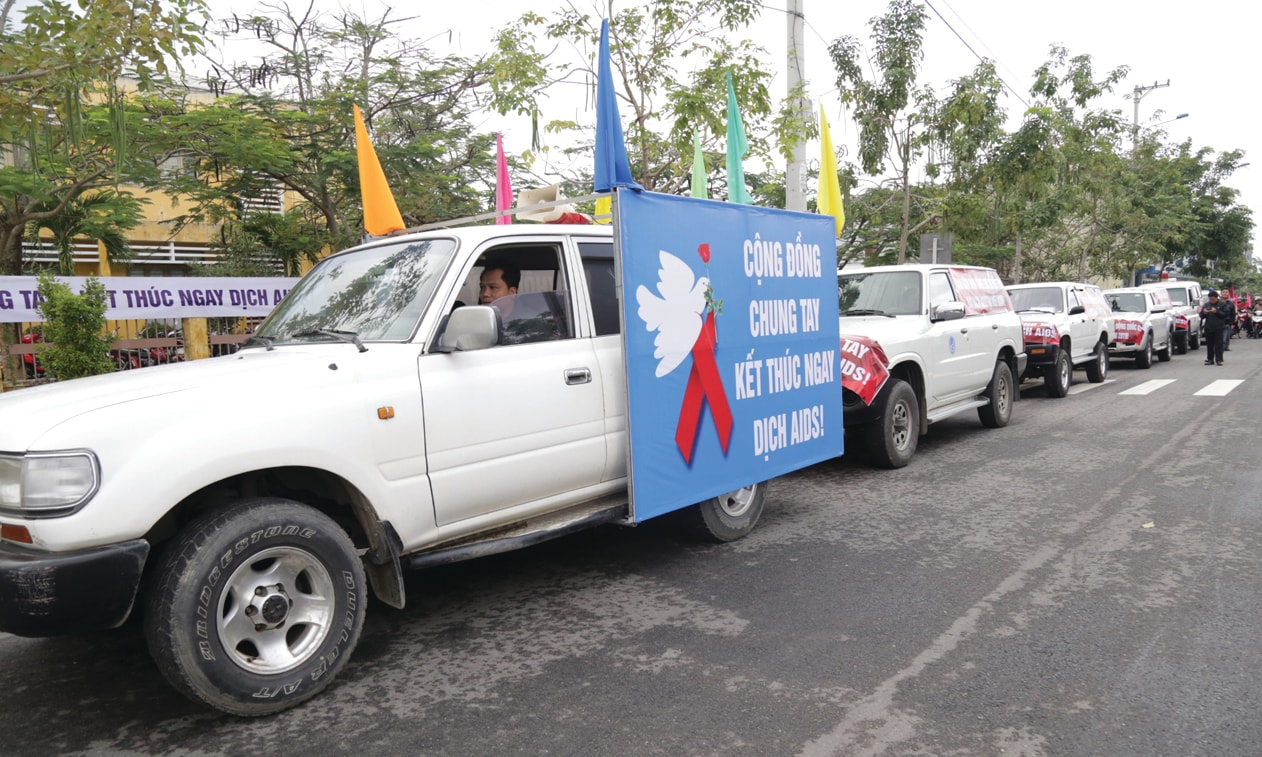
(1038, 357)
(49, 594)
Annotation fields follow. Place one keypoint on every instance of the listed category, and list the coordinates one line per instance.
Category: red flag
(503, 184)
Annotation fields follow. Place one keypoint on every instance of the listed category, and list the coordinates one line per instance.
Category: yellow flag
(604, 209)
(381, 214)
(829, 199)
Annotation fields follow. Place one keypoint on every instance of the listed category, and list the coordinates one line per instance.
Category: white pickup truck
(378, 420)
(921, 343)
(1142, 324)
(1066, 325)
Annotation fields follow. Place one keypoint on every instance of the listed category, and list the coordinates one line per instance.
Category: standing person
(1230, 304)
(1214, 318)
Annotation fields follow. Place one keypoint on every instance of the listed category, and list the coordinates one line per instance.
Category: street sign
(935, 248)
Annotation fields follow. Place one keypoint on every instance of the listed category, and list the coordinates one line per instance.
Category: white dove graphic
(676, 315)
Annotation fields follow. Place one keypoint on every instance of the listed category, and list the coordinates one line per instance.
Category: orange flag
(381, 215)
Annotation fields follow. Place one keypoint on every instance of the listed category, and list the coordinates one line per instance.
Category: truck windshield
(1127, 302)
(889, 293)
(1042, 298)
(376, 294)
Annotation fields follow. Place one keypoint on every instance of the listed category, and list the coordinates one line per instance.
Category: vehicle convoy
(379, 419)
(921, 343)
(1185, 311)
(1142, 324)
(1066, 325)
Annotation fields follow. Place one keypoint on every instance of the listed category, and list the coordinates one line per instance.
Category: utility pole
(1137, 95)
(794, 193)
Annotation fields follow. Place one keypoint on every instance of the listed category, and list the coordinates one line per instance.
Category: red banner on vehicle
(1128, 331)
(1039, 332)
(864, 367)
(981, 289)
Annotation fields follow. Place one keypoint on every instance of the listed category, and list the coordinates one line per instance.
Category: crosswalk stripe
(1080, 388)
(1219, 388)
(1148, 387)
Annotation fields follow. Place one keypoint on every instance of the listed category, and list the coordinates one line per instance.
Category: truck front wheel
(891, 439)
(730, 516)
(255, 608)
(1059, 375)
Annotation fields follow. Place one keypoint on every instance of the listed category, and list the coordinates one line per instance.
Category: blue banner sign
(732, 345)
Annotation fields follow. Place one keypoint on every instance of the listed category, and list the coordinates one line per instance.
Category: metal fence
(136, 344)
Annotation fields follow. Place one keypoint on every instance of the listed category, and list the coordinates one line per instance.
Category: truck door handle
(994, 327)
(574, 376)
(963, 331)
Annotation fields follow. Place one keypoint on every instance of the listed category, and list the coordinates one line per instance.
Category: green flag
(737, 147)
(699, 184)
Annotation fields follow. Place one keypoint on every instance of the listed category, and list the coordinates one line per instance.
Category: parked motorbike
(34, 368)
(1255, 323)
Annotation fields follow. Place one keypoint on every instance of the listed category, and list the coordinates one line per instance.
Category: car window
(940, 290)
(889, 292)
(1127, 302)
(538, 308)
(1030, 298)
(602, 285)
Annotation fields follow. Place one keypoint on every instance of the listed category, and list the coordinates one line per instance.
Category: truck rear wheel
(255, 608)
(891, 440)
(997, 412)
(730, 516)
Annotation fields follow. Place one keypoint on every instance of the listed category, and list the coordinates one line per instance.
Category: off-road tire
(728, 517)
(255, 608)
(1059, 375)
(1143, 358)
(1098, 368)
(890, 441)
(1002, 393)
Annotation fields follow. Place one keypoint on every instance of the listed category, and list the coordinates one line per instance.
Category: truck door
(523, 422)
(951, 375)
(1083, 328)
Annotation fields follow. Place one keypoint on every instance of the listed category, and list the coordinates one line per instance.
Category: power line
(974, 52)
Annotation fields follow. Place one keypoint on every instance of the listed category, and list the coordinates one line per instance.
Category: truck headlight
(48, 483)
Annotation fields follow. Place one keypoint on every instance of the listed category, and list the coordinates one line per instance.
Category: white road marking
(1080, 388)
(1148, 387)
(1219, 388)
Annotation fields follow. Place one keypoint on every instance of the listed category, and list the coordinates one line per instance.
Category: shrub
(73, 328)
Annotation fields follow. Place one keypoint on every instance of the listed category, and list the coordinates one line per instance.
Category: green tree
(897, 120)
(73, 325)
(669, 60)
(102, 216)
(57, 66)
(290, 126)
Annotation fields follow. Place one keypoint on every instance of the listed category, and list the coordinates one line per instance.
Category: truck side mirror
(473, 327)
(1076, 309)
(948, 311)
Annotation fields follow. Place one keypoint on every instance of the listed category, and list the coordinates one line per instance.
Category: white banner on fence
(161, 297)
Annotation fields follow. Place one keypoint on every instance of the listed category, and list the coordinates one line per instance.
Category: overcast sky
(1208, 51)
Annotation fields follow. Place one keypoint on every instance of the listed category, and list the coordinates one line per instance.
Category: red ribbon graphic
(704, 385)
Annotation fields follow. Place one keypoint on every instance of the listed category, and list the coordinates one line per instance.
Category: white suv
(1185, 304)
(1142, 324)
(1066, 325)
(920, 343)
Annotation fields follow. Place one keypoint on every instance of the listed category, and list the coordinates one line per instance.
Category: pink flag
(503, 184)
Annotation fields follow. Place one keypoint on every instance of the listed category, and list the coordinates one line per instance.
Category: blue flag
(612, 167)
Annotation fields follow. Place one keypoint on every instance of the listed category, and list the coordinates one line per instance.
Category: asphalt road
(1082, 582)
